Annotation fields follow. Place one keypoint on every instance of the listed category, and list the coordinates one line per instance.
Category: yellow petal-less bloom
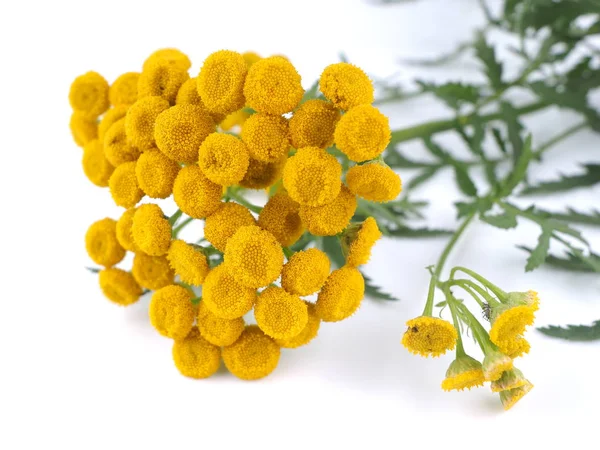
(362, 133)
(359, 240)
(224, 222)
(172, 56)
(254, 256)
(124, 90)
(101, 243)
(196, 195)
(515, 347)
(251, 58)
(180, 130)
(150, 229)
(511, 397)
(140, 119)
(254, 355)
(238, 117)
(156, 174)
(109, 118)
(510, 379)
(374, 182)
(267, 137)
(152, 272)
(464, 373)
(341, 295)
(83, 129)
(280, 217)
(188, 94)
(221, 81)
(332, 218)
(124, 231)
(308, 333)
(124, 187)
(116, 147)
(224, 296)
(224, 159)
(89, 94)
(495, 364)
(273, 86)
(161, 78)
(172, 312)
(509, 322)
(429, 336)
(95, 165)
(346, 86)
(279, 314)
(261, 175)
(305, 272)
(119, 286)
(217, 331)
(313, 124)
(195, 357)
(188, 261)
(312, 177)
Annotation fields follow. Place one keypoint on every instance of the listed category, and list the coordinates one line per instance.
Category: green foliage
(487, 55)
(589, 177)
(574, 332)
(454, 94)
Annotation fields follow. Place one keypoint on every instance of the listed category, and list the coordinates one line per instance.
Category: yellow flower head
(341, 295)
(101, 243)
(251, 58)
(464, 373)
(112, 116)
(273, 86)
(261, 175)
(495, 364)
(124, 231)
(124, 90)
(161, 78)
(196, 195)
(362, 133)
(508, 322)
(195, 357)
(279, 314)
(221, 81)
(156, 174)
(312, 177)
(429, 336)
(224, 159)
(238, 117)
(180, 130)
(346, 86)
(332, 218)
(308, 333)
(188, 261)
(529, 298)
(116, 147)
(152, 272)
(172, 312)
(374, 182)
(224, 222)
(305, 272)
(510, 379)
(140, 119)
(515, 347)
(150, 229)
(313, 124)
(510, 398)
(89, 94)
(280, 217)
(217, 331)
(95, 165)
(124, 187)
(188, 94)
(83, 129)
(171, 55)
(224, 296)
(254, 355)
(358, 240)
(119, 286)
(266, 136)
(254, 256)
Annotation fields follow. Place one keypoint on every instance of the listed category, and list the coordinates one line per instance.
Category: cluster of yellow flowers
(509, 315)
(160, 133)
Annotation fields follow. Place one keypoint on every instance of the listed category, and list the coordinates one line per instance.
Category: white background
(77, 372)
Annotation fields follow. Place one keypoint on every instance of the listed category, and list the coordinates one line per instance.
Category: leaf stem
(460, 349)
(181, 226)
(175, 217)
(242, 201)
(491, 286)
(446, 252)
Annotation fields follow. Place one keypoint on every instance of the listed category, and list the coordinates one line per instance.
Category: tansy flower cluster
(256, 282)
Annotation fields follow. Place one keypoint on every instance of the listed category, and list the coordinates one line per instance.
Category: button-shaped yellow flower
(515, 347)
(116, 147)
(188, 94)
(156, 174)
(89, 94)
(83, 129)
(172, 312)
(332, 218)
(254, 355)
(495, 364)
(341, 295)
(510, 379)
(374, 182)
(188, 261)
(224, 159)
(124, 187)
(358, 240)
(150, 229)
(101, 243)
(346, 85)
(119, 286)
(224, 296)
(221, 81)
(308, 333)
(180, 130)
(124, 231)
(261, 175)
(224, 222)
(112, 115)
(218, 331)
(510, 321)
(273, 86)
(236, 118)
(152, 272)
(124, 90)
(161, 78)
(362, 133)
(312, 177)
(140, 119)
(254, 256)
(267, 137)
(305, 272)
(195, 357)
(313, 124)
(172, 56)
(279, 314)
(511, 397)
(196, 195)
(280, 216)
(429, 336)
(95, 165)
(464, 373)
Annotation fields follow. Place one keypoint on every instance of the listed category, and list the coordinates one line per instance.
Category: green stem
(175, 217)
(428, 311)
(464, 284)
(180, 227)
(480, 333)
(242, 201)
(559, 137)
(460, 349)
(491, 286)
(446, 252)
(287, 252)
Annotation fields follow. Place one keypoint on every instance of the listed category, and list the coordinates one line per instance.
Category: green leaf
(589, 177)
(436, 150)
(506, 220)
(480, 205)
(487, 55)
(464, 181)
(573, 216)
(574, 332)
(331, 246)
(421, 178)
(375, 291)
(513, 127)
(571, 262)
(540, 252)
(454, 94)
(418, 232)
(519, 170)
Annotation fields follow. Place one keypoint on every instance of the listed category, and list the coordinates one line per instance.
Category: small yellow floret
(172, 56)
(267, 137)
(362, 133)
(279, 314)
(188, 261)
(95, 165)
(224, 222)
(515, 347)
(221, 81)
(305, 272)
(280, 216)
(359, 241)
(124, 90)
(374, 182)
(313, 124)
(510, 398)
(124, 231)
(188, 95)
(224, 296)
(161, 78)
(101, 243)
(195, 357)
(156, 174)
(83, 129)
(124, 187)
(346, 85)
(224, 159)
(217, 331)
(510, 322)
(140, 119)
(254, 355)
(495, 364)
(308, 333)
(119, 286)
(112, 115)
(429, 336)
(510, 379)
(332, 218)
(151, 231)
(172, 312)
(261, 175)
(196, 195)
(341, 295)
(152, 272)
(464, 373)
(116, 147)
(89, 94)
